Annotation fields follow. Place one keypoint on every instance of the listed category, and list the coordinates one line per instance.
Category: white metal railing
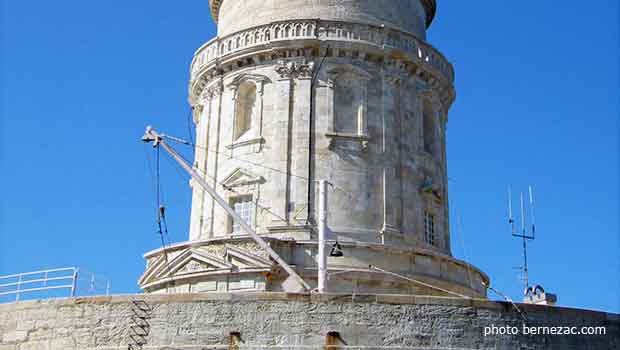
(44, 280)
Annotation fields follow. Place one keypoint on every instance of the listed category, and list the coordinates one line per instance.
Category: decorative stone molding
(245, 258)
(294, 70)
(203, 262)
(212, 53)
(241, 177)
(241, 183)
(197, 112)
(260, 81)
(256, 143)
(214, 90)
(334, 137)
(394, 71)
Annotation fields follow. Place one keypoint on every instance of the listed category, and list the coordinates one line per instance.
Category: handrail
(35, 281)
(37, 272)
(16, 287)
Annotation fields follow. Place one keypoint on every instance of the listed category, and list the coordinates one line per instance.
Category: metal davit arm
(158, 140)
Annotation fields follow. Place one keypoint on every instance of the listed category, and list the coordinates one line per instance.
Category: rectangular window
(244, 206)
(348, 105)
(429, 228)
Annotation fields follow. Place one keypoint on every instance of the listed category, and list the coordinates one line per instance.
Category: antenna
(511, 220)
(533, 218)
(524, 235)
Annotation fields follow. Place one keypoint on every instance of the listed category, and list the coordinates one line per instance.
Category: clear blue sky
(537, 103)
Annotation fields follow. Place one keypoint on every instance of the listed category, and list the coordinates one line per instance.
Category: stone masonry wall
(409, 15)
(286, 321)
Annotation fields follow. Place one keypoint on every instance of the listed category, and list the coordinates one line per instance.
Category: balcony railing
(63, 282)
(275, 32)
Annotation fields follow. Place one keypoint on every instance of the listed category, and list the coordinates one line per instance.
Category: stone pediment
(243, 77)
(241, 177)
(188, 262)
(194, 261)
(241, 258)
(227, 258)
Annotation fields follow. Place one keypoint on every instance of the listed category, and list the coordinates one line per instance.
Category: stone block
(12, 336)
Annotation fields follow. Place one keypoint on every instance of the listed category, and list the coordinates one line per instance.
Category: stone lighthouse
(316, 121)
(295, 91)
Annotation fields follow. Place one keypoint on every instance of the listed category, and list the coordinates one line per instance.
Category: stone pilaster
(201, 119)
(213, 155)
(410, 137)
(294, 102)
(390, 148)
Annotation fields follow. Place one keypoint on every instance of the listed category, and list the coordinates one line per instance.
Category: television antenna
(526, 233)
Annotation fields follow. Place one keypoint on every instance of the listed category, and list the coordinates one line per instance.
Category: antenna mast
(523, 234)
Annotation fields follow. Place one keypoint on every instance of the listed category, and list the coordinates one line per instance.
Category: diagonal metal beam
(158, 140)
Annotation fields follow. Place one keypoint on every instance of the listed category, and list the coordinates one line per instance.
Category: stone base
(237, 264)
(289, 321)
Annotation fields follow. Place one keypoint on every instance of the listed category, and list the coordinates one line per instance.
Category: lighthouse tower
(304, 108)
(291, 92)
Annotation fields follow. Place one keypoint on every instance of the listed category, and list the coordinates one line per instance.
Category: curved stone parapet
(300, 32)
(238, 264)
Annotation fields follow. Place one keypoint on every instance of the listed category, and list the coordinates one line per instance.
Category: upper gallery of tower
(412, 16)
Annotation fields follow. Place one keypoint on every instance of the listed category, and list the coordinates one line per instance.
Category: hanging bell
(336, 251)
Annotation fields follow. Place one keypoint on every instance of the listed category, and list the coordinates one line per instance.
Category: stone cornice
(265, 42)
(430, 6)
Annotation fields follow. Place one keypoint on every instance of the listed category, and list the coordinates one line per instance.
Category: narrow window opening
(430, 131)
(244, 207)
(246, 101)
(429, 228)
(349, 105)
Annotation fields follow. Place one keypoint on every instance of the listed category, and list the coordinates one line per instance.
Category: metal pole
(74, 285)
(532, 212)
(157, 139)
(19, 286)
(322, 259)
(522, 215)
(526, 276)
(92, 282)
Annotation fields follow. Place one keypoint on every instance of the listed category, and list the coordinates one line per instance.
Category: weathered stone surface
(293, 321)
(15, 336)
(410, 15)
(295, 91)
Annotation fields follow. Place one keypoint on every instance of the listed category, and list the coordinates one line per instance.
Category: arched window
(244, 109)
(430, 128)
